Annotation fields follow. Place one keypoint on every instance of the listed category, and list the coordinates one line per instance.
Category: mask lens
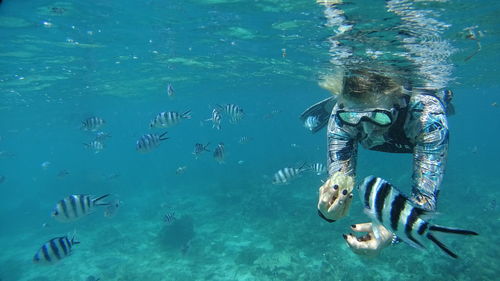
(381, 118)
(351, 118)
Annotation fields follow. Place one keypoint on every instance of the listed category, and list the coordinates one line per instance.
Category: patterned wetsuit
(421, 128)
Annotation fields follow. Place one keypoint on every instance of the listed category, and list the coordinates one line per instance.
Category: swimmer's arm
(430, 152)
(342, 148)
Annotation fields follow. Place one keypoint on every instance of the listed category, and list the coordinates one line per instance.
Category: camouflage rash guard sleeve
(342, 147)
(428, 127)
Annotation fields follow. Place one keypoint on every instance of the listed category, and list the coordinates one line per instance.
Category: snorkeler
(383, 115)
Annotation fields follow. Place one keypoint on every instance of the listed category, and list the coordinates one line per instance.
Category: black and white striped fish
(168, 119)
(149, 141)
(388, 207)
(233, 111)
(54, 250)
(216, 119)
(95, 145)
(287, 174)
(311, 123)
(76, 206)
(169, 218)
(199, 148)
(92, 123)
(244, 139)
(318, 168)
(219, 153)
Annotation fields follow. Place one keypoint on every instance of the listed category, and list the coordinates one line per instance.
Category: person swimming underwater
(381, 114)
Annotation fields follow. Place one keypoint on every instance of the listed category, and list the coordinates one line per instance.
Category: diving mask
(377, 116)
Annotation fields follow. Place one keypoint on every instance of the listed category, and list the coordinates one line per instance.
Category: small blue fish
(170, 90)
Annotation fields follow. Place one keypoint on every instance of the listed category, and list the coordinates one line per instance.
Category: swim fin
(321, 110)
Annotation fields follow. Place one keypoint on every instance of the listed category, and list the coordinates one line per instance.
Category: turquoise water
(62, 62)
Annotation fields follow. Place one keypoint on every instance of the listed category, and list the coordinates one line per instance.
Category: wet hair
(362, 85)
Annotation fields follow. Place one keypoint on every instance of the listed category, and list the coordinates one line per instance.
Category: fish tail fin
(162, 136)
(187, 114)
(73, 238)
(206, 147)
(452, 230)
(96, 203)
(441, 245)
(305, 166)
(73, 241)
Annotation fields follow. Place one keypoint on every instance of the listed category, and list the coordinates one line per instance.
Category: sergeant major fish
(388, 207)
(216, 119)
(149, 141)
(219, 153)
(311, 123)
(287, 174)
(54, 250)
(95, 145)
(233, 111)
(318, 168)
(92, 123)
(199, 148)
(76, 206)
(169, 119)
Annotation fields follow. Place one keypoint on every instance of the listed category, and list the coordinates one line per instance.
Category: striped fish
(169, 218)
(199, 148)
(216, 119)
(92, 123)
(311, 123)
(233, 111)
(76, 206)
(388, 207)
(219, 153)
(95, 146)
(285, 175)
(244, 139)
(149, 141)
(54, 250)
(169, 119)
(318, 168)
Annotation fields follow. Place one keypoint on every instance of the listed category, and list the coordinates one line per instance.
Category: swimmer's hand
(334, 200)
(368, 245)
